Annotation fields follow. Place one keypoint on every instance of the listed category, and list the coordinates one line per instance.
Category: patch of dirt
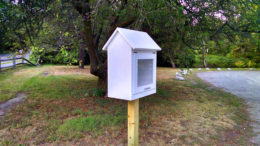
(239, 132)
(30, 72)
(166, 73)
(45, 74)
(69, 70)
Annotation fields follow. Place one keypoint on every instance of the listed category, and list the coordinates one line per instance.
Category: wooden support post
(133, 123)
(14, 64)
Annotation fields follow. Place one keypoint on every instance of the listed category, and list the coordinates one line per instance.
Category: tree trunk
(172, 63)
(97, 66)
(203, 55)
(81, 55)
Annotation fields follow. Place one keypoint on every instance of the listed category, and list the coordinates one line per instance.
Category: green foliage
(214, 61)
(240, 64)
(184, 58)
(52, 56)
(55, 30)
(251, 63)
(224, 62)
(20, 23)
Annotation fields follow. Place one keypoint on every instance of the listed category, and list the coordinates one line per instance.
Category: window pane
(145, 72)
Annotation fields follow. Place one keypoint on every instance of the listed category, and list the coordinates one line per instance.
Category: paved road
(244, 84)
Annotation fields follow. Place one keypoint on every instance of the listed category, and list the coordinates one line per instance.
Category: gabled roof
(137, 40)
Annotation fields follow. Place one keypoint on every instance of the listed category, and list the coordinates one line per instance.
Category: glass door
(144, 71)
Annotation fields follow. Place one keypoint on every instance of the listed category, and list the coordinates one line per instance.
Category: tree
(65, 41)
(100, 19)
(21, 21)
(183, 28)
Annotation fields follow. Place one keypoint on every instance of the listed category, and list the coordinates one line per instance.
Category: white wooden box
(131, 64)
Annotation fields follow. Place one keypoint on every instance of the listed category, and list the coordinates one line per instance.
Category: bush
(215, 61)
(53, 56)
(184, 58)
(240, 64)
(251, 63)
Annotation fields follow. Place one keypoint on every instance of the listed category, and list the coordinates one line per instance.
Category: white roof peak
(137, 40)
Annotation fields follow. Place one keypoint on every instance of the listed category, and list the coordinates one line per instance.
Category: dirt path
(5, 106)
(244, 84)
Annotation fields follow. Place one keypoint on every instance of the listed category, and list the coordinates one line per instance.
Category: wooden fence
(12, 62)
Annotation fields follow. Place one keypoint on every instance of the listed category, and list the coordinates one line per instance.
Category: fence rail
(12, 62)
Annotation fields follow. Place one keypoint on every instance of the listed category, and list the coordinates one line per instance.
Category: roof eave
(109, 40)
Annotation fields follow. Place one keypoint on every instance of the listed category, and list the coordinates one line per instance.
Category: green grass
(65, 106)
(11, 82)
(77, 126)
(83, 124)
(56, 87)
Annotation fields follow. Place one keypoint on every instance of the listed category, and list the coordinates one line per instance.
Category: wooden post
(22, 59)
(133, 123)
(14, 64)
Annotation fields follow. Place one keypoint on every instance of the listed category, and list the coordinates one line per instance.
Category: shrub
(53, 56)
(251, 63)
(215, 61)
(240, 64)
(258, 65)
(223, 61)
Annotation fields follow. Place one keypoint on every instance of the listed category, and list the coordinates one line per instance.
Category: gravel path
(244, 84)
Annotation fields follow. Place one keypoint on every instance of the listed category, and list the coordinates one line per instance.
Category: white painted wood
(137, 40)
(131, 64)
(119, 69)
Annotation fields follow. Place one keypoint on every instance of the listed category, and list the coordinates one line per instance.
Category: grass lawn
(63, 107)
